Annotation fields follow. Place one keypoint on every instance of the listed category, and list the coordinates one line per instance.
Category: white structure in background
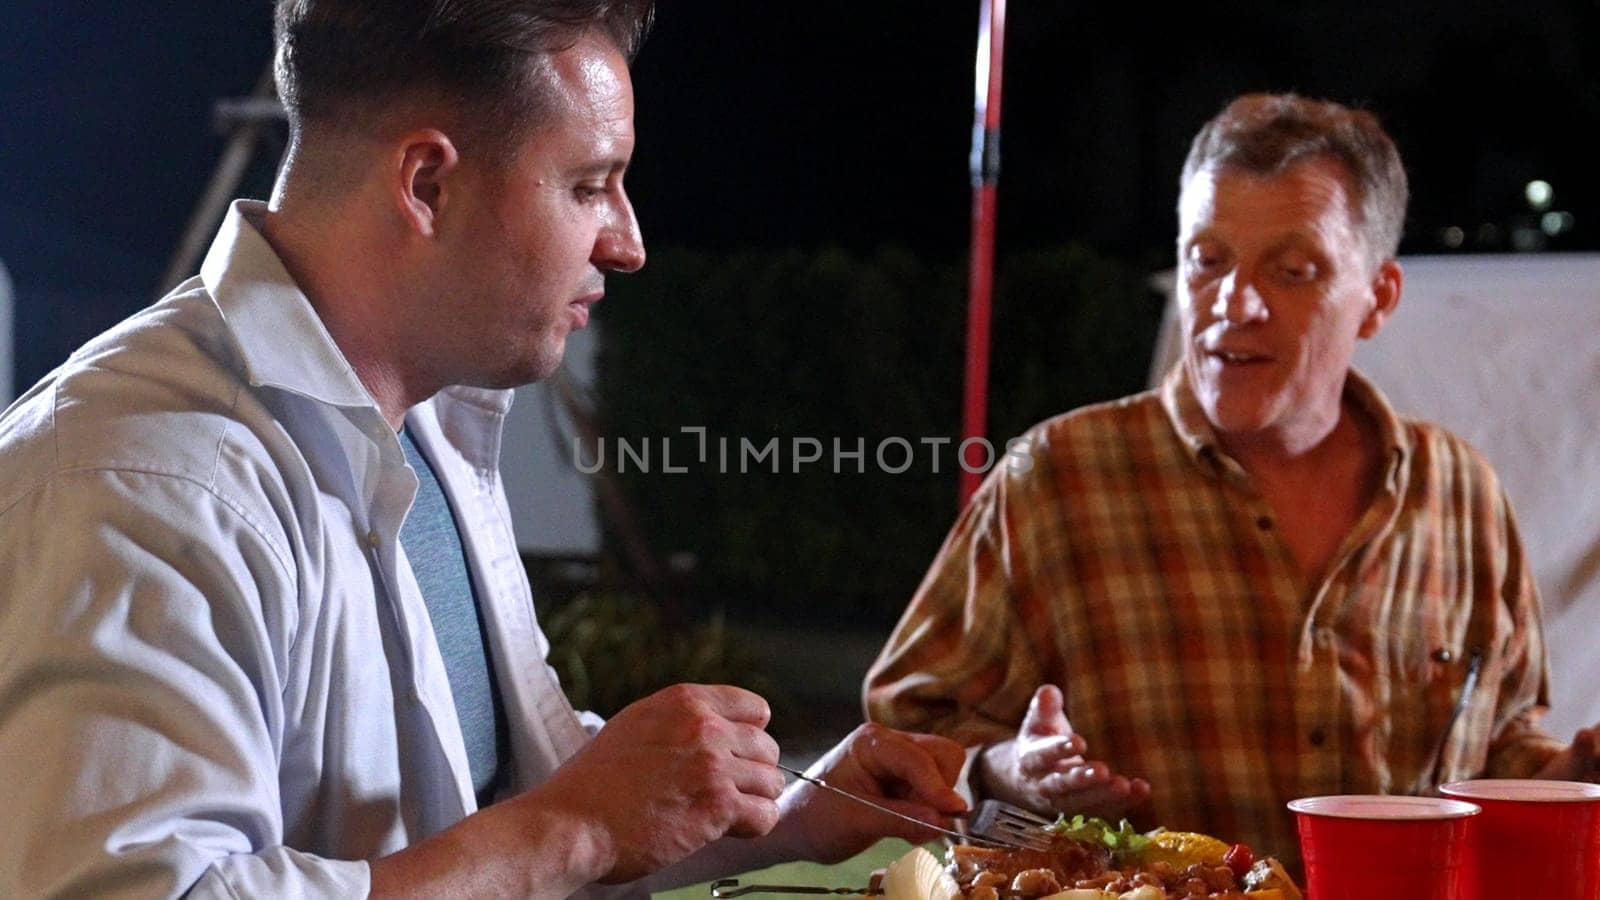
(552, 506)
(8, 358)
(1505, 351)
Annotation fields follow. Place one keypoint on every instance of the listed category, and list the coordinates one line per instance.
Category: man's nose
(619, 247)
(1237, 300)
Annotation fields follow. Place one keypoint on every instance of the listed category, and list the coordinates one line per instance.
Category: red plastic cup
(1373, 847)
(1535, 839)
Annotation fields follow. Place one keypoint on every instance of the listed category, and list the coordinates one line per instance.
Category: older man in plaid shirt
(1256, 582)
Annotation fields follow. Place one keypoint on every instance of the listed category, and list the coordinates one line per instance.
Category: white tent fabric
(1505, 351)
(552, 507)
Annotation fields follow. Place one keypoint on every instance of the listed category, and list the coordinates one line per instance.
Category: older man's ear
(1386, 285)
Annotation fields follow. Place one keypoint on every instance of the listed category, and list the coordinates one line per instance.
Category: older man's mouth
(1237, 357)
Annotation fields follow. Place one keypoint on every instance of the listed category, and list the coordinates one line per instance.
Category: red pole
(985, 169)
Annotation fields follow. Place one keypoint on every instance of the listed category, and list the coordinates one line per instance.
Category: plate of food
(1079, 858)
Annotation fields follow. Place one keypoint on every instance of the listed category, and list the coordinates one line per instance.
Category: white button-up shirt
(217, 674)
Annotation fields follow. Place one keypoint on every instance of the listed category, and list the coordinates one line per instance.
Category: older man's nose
(1238, 301)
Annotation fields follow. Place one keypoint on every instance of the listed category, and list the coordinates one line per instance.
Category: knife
(961, 838)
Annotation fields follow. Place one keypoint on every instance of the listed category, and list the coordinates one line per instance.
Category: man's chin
(1238, 420)
(523, 374)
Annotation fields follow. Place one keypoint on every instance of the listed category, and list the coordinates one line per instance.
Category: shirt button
(1317, 737)
(372, 539)
(1264, 523)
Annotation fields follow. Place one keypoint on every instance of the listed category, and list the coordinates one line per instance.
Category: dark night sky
(832, 122)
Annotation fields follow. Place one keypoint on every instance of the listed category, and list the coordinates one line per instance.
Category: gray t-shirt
(434, 547)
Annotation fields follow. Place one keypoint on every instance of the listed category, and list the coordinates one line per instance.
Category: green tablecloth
(853, 872)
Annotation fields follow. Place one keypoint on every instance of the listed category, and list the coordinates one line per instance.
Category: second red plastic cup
(1535, 839)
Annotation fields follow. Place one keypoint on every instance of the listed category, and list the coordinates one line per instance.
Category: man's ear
(425, 160)
(1386, 285)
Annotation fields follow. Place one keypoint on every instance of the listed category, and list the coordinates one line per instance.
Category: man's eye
(1297, 272)
(589, 193)
(1203, 260)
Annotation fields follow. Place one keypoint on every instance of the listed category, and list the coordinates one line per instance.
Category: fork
(1004, 823)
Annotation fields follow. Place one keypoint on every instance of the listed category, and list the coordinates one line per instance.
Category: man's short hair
(1265, 134)
(339, 62)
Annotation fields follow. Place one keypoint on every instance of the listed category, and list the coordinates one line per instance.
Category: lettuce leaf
(1121, 839)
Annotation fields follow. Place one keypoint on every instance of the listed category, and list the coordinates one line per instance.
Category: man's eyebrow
(1294, 240)
(601, 166)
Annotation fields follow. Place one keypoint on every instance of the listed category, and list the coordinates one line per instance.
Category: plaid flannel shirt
(1120, 554)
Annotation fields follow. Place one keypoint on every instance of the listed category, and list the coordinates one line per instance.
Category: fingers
(1585, 752)
(1045, 714)
(733, 703)
(948, 755)
(704, 715)
(1110, 802)
(751, 743)
(889, 826)
(731, 769)
(1586, 741)
(911, 774)
(1580, 761)
(756, 779)
(1042, 756)
(1046, 737)
(750, 816)
(905, 765)
(1093, 788)
(671, 773)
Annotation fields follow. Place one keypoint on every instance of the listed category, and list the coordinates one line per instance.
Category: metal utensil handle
(1468, 685)
(729, 887)
(962, 838)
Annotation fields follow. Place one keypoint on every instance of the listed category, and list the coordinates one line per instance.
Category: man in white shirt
(228, 666)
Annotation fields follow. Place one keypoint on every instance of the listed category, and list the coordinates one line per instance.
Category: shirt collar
(1199, 438)
(283, 343)
(280, 337)
(472, 420)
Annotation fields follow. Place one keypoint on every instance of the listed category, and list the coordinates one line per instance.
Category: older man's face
(1274, 288)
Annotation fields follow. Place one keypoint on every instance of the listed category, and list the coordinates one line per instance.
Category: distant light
(1488, 234)
(1554, 223)
(1453, 236)
(1539, 194)
(1527, 240)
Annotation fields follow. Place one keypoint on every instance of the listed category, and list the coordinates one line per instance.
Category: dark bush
(761, 345)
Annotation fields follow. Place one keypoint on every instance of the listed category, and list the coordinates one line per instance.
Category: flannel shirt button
(1264, 523)
(1317, 737)
(373, 540)
(1443, 655)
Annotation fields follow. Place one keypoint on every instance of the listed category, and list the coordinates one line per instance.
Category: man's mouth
(1238, 357)
(580, 306)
